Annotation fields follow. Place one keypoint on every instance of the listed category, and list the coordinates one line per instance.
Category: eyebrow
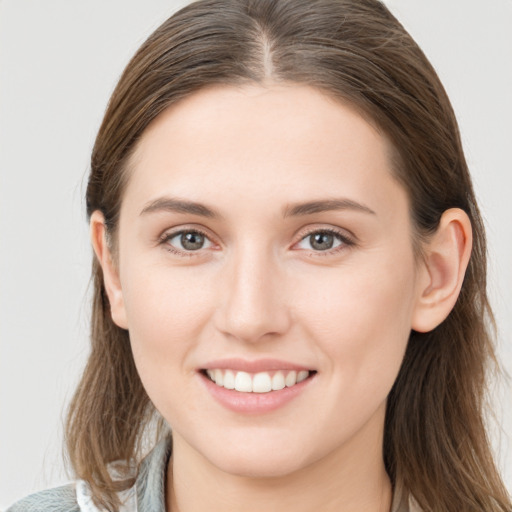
(176, 205)
(171, 204)
(325, 205)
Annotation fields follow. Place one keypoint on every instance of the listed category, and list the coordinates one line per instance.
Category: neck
(347, 480)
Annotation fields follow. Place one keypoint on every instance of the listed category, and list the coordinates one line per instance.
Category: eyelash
(164, 240)
(346, 241)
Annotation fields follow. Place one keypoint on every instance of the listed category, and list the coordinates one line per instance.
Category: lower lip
(254, 403)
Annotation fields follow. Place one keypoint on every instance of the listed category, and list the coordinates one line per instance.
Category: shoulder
(59, 499)
(148, 493)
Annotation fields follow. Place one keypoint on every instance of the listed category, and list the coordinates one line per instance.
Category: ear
(112, 283)
(446, 257)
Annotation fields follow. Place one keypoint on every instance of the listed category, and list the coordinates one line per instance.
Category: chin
(259, 460)
(259, 468)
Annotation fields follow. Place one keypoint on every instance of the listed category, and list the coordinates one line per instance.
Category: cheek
(361, 318)
(163, 304)
(360, 323)
(166, 310)
(166, 314)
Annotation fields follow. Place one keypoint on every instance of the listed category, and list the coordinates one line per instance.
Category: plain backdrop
(59, 62)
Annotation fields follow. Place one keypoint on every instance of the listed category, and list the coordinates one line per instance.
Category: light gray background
(59, 61)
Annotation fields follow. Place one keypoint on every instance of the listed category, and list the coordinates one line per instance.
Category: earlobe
(111, 279)
(445, 262)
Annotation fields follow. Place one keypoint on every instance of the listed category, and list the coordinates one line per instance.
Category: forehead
(285, 111)
(286, 142)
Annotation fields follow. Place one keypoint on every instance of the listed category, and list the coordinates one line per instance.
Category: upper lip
(255, 366)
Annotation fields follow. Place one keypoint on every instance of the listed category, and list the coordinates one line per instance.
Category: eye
(324, 240)
(184, 241)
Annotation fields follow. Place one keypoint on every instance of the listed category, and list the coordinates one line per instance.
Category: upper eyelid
(172, 232)
(343, 233)
(346, 236)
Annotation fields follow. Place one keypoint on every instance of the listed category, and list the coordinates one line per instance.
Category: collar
(150, 483)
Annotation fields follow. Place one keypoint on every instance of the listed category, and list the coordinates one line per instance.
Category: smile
(261, 382)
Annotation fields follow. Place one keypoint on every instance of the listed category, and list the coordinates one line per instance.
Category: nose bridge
(253, 302)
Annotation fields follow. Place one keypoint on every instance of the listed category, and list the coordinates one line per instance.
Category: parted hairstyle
(435, 439)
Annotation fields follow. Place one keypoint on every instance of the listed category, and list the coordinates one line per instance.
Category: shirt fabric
(146, 495)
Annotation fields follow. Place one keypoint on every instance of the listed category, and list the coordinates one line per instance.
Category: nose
(252, 302)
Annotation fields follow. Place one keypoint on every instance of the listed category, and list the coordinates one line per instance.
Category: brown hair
(435, 440)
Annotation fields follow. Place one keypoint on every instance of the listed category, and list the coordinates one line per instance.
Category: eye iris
(322, 241)
(192, 241)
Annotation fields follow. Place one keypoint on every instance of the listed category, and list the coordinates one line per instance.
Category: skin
(259, 288)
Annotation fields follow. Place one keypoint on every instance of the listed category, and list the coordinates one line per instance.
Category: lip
(254, 403)
(258, 365)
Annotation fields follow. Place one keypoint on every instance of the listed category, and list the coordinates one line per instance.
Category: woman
(289, 274)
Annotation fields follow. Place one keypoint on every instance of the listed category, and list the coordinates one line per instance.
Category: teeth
(278, 381)
(229, 380)
(302, 375)
(219, 377)
(262, 382)
(243, 382)
(291, 379)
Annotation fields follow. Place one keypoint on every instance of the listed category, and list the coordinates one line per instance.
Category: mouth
(260, 382)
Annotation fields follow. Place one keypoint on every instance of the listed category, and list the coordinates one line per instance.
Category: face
(264, 244)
